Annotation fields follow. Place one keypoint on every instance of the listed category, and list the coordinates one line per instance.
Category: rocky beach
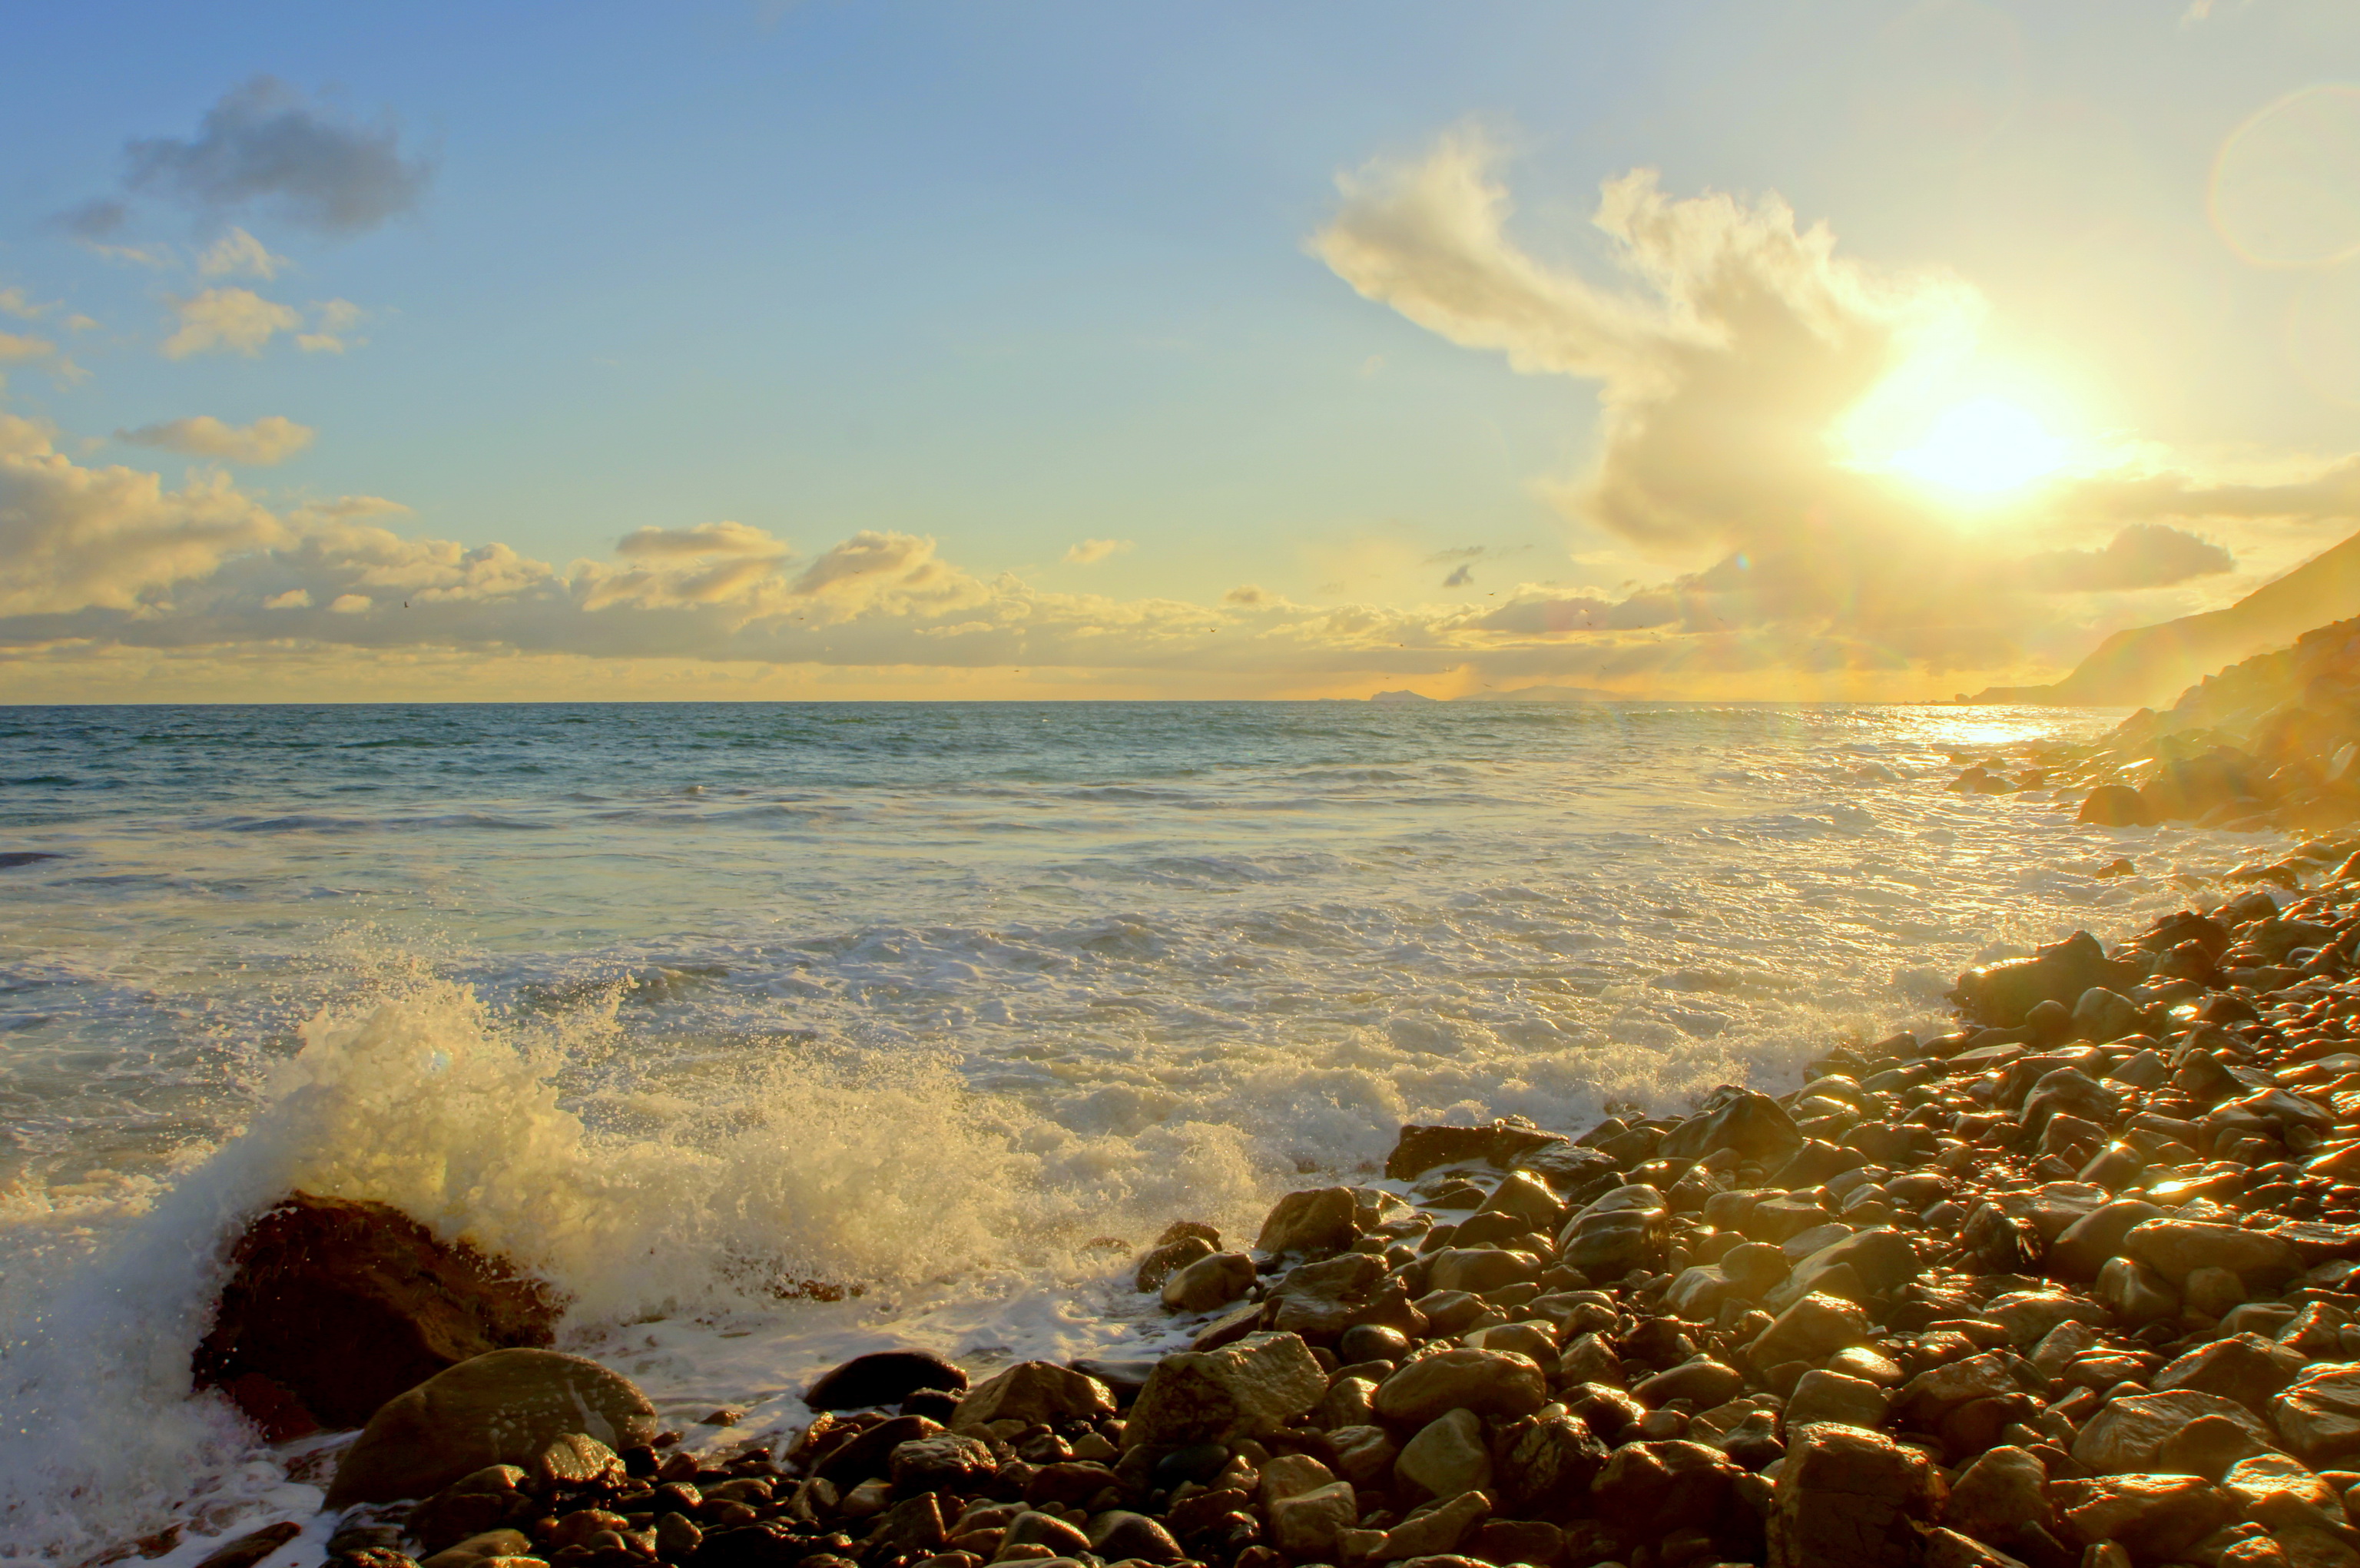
(2073, 1284)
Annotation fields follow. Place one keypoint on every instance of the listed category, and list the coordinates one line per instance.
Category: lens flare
(2284, 190)
(1984, 447)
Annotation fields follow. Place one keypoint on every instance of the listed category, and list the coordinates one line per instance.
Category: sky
(751, 348)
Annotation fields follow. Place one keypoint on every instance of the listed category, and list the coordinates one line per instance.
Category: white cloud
(701, 540)
(332, 321)
(228, 320)
(1731, 357)
(238, 254)
(350, 604)
(269, 439)
(264, 145)
(1090, 552)
(15, 303)
(75, 538)
(15, 347)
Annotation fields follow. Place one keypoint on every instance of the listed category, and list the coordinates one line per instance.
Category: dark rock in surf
(884, 1378)
(334, 1305)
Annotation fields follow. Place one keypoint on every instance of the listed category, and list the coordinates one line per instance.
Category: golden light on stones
(1984, 446)
(2286, 185)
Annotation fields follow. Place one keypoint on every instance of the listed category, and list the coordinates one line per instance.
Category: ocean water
(684, 1005)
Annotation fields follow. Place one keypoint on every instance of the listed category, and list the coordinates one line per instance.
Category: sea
(950, 1008)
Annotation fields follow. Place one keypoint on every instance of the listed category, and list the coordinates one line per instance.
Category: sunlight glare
(1983, 448)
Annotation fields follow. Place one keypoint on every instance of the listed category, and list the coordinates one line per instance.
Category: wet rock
(503, 1408)
(912, 1527)
(1211, 1282)
(2157, 1518)
(1163, 1261)
(496, 1498)
(884, 1378)
(1479, 1270)
(1524, 1197)
(1501, 1142)
(1548, 1464)
(334, 1305)
(1848, 1498)
(1363, 1455)
(1754, 1126)
(2090, 1240)
(942, 1459)
(2318, 1415)
(1261, 1383)
(1878, 1260)
(1321, 1220)
(1305, 1527)
(2245, 1367)
(1702, 1382)
(2135, 1292)
(1033, 1391)
(1642, 1485)
(1516, 1540)
(2175, 1247)
(1616, 1232)
(1811, 1331)
(1498, 1384)
(1118, 1536)
(1823, 1395)
(2127, 1435)
(2001, 994)
(1997, 1494)
(2115, 806)
(1438, 1529)
(1936, 1392)
(1447, 1457)
(1036, 1529)
(2208, 1446)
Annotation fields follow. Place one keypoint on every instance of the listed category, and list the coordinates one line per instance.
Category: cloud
(78, 539)
(238, 254)
(332, 321)
(2144, 556)
(15, 303)
(15, 347)
(1461, 575)
(226, 321)
(109, 572)
(1090, 552)
(272, 439)
(265, 146)
(1735, 353)
(703, 539)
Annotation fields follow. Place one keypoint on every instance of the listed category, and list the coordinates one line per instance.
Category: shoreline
(1941, 1234)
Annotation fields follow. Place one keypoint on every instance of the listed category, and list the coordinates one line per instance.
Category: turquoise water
(672, 1001)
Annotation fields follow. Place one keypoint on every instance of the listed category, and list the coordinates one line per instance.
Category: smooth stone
(1822, 1395)
(2175, 1247)
(1992, 1496)
(1494, 1384)
(506, 1407)
(1210, 1283)
(1031, 1392)
(1305, 1527)
(2244, 1368)
(1261, 1383)
(2318, 1415)
(1447, 1457)
(1321, 1220)
(1811, 1331)
(1849, 1498)
(884, 1378)
(2127, 1434)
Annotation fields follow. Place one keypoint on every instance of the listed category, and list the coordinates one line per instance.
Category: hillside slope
(2149, 665)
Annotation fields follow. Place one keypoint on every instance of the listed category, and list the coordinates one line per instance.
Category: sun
(1983, 448)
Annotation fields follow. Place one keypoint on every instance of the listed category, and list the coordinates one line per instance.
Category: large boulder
(2244, 1368)
(2175, 1248)
(2318, 1417)
(1501, 1142)
(1756, 1126)
(1849, 1498)
(333, 1306)
(1321, 1220)
(2130, 1434)
(1497, 1384)
(1258, 1384)
(884, 1378)
(2001, 994)
(1033, 1391)
(509, 1407)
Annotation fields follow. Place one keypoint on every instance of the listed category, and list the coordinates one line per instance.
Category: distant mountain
(2150, 665)
(1402, 696)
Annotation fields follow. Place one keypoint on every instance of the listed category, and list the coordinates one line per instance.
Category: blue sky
(1013, 277)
